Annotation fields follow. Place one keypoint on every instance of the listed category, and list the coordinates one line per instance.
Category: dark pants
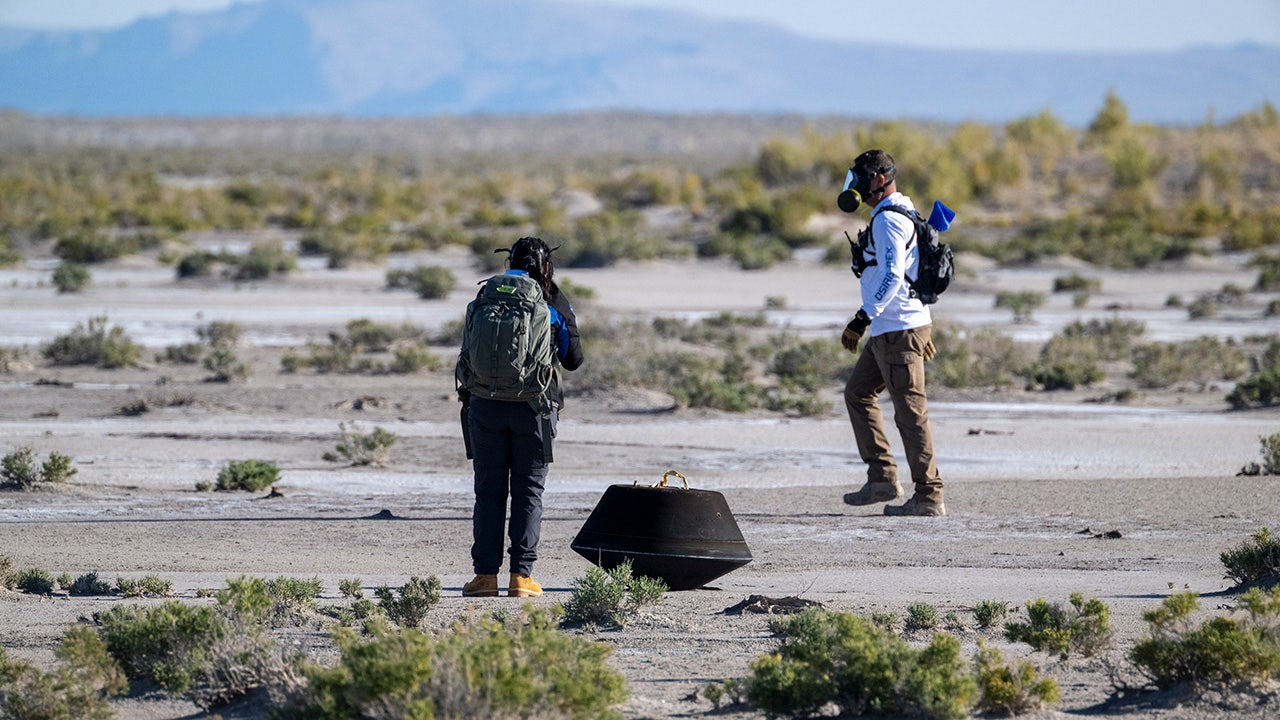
(506, 441)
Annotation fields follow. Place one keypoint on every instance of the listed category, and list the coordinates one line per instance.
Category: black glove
(854, 330)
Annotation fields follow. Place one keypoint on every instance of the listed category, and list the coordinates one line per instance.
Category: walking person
(519, 330)
(900, 329)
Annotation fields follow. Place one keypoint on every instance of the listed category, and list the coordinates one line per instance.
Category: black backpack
(936, 267)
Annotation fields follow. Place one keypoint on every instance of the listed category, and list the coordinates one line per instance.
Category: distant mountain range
(434, 57)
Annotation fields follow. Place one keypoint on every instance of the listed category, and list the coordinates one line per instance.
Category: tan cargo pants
(894, 361)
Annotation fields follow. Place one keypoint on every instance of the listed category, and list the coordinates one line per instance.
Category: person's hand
(854, 330)
(929, 351)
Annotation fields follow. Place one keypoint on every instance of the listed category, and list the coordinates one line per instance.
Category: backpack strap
(914, 217)
(911, 215)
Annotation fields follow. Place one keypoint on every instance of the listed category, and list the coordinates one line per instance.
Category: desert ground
(1036, 483)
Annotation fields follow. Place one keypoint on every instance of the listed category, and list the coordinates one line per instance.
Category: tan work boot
(481, 586)
(923, 508)
(873, 492)
(523, 586)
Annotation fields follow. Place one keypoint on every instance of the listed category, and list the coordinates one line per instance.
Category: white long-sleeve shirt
(886, 296)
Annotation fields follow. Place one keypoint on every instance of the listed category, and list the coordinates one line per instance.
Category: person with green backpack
(520, 328)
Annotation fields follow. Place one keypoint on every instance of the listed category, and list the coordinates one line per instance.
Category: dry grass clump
(360, 448)
(363, 349)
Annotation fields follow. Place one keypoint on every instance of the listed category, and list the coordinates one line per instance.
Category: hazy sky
(992, 24)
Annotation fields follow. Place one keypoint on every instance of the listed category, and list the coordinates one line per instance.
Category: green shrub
(212, 655)
(167, 644)
(279, 601)
(8, 579)
(351, 588)
(921, 616)
(1021, 303)
(431, 282)
(611, 596)
(750, 252)
(1268, 272)
(224, 366)
(1125, 240)
(1202, 307)
(87, 248)
(1254, 560)
(358, 448)
(34, 581)
(968, 357)
(409, 360)
(220, 333)
(250, 475)
(145, 586)
(1010, 690)
(78, 688)
(604, 238)
(18, 469)
(1065, 362)
(810, 365)
(365, 334)
(1221, 652)
(94, 344)
(990, 613)
(89, 584)
(70, 277)
(196, 264)
(1113, 337)
(887, 621)
(574, 290)
(246, 596)
(1263, 387)
(408, 606)
(1270, 453)
(841, 659)
(479, 668)
(261, 262)
(1083, 627)
(1200, 361)
(1075, 282)
(1251, 230)
(184, 354)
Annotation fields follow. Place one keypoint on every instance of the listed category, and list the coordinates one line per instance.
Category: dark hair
(876, 162)
(533, 256)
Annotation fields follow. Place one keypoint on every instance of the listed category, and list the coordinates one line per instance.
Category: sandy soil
(1035, 482)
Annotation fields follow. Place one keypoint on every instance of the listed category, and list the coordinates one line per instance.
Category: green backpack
(506, 341)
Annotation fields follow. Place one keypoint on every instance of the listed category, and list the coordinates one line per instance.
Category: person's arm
(568, 344)
(892, 232)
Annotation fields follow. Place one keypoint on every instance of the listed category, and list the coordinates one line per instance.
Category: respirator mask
(857, 185)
